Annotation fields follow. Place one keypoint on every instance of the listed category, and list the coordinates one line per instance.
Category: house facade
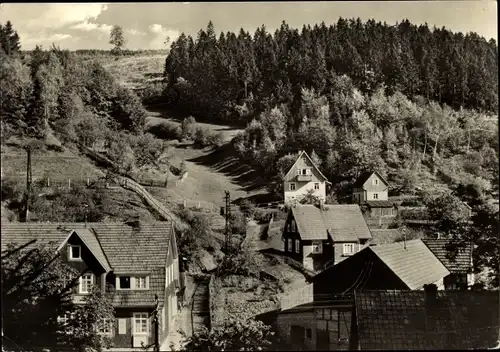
(382, 267)
(457, 260)
(324, 235)
(303, 177)
(316, 326)
(135, 264)
(370, 186)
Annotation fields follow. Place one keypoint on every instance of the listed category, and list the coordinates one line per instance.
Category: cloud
(89, 27)
(135, 32)
(44, 39)
(58, 15)
(160, 35)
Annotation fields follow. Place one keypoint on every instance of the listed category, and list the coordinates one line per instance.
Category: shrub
(166, 130)
(188, 128)
(216, 139)
(238, 222)
(201, 136)
(247, 208)
(242, 263)
(261, 215)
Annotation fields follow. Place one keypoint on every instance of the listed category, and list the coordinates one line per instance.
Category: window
(304, 171)
(289, 244)
(105, 327)
(293, 225)
(140, 282)
(297, 246)
(375, 195)
(292, 186)
(309, 334)
(122, 326)
(86, 283)
(316, 186)
(348, 249)
(141, 325)
(375, 181)
(317, 247)
(75, 252)
(124, 283)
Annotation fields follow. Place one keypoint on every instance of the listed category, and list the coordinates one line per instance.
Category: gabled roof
(443, 250)
(89, 239)
(338, 219)
(365, 176)
(303, 153)
(128, 250)
(413, 262)
(398, 320)
(379, 204)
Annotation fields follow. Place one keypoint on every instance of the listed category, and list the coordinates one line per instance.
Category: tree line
(220, 73)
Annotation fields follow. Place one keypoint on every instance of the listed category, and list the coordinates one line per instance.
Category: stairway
(200, 313)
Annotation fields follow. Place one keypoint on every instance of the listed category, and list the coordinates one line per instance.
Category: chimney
(134, 222)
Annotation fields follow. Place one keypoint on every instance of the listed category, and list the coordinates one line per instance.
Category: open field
(135, 71)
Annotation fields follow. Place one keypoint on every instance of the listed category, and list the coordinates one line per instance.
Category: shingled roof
(412, 262)
(444, 250)
(340, 220)
(364, 177)
(124, 248)
(401, 320)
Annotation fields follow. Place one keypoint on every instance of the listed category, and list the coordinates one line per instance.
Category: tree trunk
(434, 153)
(425, 145)
(468, 142)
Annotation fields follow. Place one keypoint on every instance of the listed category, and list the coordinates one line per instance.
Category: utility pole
(29, 180)
(228, 220)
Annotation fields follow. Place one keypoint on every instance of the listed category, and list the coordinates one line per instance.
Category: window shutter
(117, 283)
(132, 327)
(122, 326)
(147, 282)
(132, 283)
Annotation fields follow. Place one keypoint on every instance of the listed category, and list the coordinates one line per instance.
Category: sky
(146, 25)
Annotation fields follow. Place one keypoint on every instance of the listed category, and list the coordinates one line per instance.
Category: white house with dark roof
(134, 262)
(302, 177)
(372, 190)
(320, 236)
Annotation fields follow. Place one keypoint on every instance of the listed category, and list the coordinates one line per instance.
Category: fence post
(185, 203)
(88, 181)
(69, 183)
(48, 182)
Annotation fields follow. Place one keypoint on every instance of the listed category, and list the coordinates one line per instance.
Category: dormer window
(75, 252)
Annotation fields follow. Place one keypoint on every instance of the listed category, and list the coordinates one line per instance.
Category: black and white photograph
(249, 176)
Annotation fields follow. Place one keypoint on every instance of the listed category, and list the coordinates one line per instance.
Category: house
(425, 320)
(316, 326)
(459, 264)
(322, 235)
(303, 177)
(372, 190)
(397, 266)
(134, 262)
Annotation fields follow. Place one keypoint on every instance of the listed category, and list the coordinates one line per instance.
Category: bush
(238, 222)
(216, 139)
(261, 215)
(188, 128)
(201, 136)
(247, 208)
(166, 130)
(242, 263)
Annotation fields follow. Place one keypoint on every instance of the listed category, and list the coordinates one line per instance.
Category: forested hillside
(412, 102)
(53, 99)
